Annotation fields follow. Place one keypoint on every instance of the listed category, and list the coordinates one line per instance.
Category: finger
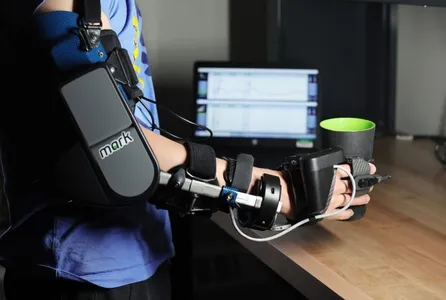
(345, 215)
(343, 184)
(372, 169)
(341, 173)
(342, 187)
(344, 199)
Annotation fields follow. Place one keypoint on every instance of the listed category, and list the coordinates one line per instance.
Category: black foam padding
(109, 40)
(243, 172)
(202, 160)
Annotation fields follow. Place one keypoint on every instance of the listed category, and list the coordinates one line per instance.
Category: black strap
(118, 58)
(243, 172)
(90, 23)
(202, 161)
(360, 168)
(230, 170)
(239, 172)
(90, 11)
(121, 66)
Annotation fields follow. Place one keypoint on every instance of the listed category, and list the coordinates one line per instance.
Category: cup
(356, 137)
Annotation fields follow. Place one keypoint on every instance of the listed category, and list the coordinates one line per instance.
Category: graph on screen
(258, 86)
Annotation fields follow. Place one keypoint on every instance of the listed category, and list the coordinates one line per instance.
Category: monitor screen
(257, 103)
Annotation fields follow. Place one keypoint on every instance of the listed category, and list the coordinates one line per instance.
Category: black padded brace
(118, 58)
(122, 68)
(239, 172)
(264, 218)
(110, 40)
(243, 172)
(202, 161)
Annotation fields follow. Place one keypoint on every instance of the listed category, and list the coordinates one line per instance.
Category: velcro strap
(91, 11)
(241, 180)
(119, 59)
(110, 40)
(202, 161)
(121, 67)
(123, 70)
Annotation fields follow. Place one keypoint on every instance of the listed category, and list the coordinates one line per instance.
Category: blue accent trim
(225, 191)
(60, 29)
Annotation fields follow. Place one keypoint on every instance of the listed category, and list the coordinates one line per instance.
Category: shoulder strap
(90, 22)
(89, 10)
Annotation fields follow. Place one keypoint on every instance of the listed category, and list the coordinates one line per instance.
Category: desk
(398, 251)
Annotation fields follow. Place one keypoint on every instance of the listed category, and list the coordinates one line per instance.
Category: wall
(177, 33)
(421, 69)
(347, 41)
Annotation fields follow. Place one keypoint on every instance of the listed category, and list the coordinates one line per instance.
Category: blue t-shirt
(81, 244)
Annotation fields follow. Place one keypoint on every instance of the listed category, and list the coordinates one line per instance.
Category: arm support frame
(110, 164)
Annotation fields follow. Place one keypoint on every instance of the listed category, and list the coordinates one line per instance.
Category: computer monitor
(250, 105)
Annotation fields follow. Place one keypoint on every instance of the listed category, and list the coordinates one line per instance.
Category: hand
(342, 195)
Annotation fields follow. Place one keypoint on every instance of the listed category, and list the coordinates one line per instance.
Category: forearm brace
(204, 196)
(312, 181)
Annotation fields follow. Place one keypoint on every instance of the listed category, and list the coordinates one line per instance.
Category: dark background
(353, 44)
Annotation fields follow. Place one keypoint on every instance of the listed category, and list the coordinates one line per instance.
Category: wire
(156, 127)
(286, 231)
(234, 221)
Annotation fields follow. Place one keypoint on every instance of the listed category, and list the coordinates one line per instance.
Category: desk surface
(396, 252)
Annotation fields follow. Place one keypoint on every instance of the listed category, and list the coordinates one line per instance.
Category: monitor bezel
(255, 142)
(433, 3)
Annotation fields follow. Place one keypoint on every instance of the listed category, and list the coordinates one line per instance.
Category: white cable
(276, 236)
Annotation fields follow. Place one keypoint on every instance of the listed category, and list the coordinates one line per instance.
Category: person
(60, 252)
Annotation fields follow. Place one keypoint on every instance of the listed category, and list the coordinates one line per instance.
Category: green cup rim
(368, 124)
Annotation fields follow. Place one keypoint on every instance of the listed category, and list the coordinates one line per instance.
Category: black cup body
(354, 144)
